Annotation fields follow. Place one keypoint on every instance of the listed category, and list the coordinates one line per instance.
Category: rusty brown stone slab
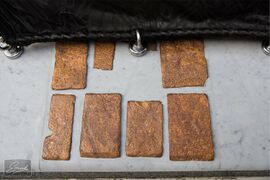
(190, 136)
(101, 126)
(104, 55)
(70, 71)
(183, 63)
(57, 146)
(144, 134)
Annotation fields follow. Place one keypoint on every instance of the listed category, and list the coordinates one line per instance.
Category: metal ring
(137, 49)
(14, 52)
(266, 47)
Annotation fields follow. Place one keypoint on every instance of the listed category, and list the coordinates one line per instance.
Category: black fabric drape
(23, 22)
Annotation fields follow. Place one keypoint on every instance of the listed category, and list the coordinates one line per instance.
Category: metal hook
(137, 49)
(266, 47)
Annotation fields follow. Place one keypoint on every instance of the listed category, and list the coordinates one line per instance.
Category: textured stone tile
(57, 146)
(144, 135)
(101, 126)
(70, 71)
(183, 63)
(190, 135)
(104, 55)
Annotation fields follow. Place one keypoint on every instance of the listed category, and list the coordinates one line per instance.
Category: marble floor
(238, 88)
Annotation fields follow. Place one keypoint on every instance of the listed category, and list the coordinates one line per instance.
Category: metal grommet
(14, 52)
(137, 49)
(266, 47)
(3, 45)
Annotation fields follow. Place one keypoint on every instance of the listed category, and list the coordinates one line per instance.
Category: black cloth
(23, 22)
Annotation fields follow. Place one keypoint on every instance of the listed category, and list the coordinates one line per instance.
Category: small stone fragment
(70, 71)
(57, 146)
(190, 136)
(101, 126)
(144, 129)
(183, 63)
(104, 55)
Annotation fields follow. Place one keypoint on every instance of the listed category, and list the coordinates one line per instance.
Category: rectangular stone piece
(70, 71)
(101, 126)
(104, 55)
(144, 134)
(190, 136)
(183, 63)
(57, 146)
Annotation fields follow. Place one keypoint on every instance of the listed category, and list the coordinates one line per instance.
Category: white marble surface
(238, 89)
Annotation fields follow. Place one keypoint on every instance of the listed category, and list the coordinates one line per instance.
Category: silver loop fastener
(266, 47)
(14, 52)
(137, 49)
